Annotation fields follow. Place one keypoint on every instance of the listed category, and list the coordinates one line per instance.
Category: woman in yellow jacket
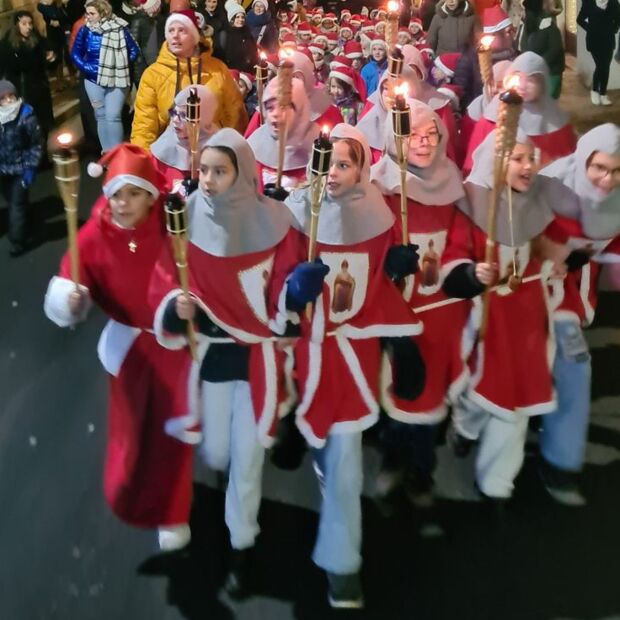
(183, 61)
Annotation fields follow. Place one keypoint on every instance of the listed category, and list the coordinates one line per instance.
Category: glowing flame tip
(512, 83)
(486, 41)
(402, 89)
(65, 139)
(393, 6)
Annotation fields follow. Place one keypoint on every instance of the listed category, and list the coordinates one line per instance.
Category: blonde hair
(103, 7)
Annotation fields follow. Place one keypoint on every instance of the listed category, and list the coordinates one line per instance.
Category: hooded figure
(357, 305)
(171, 149)
(321, 109)
(372, 123)
(300, 135)
(541, 119)
(512, 362)
(590, 220)
(431, 195)
(234, 240)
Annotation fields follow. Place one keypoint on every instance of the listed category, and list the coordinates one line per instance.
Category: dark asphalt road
(64, 556)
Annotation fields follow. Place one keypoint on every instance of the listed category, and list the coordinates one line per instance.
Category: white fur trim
(377, 331)
(172, 341)
(507, 414)
(283, 314)
(270, 404)
(186, 21)
(56, 306)
(439, 64)
(584, 290)
(112, 186)
(356, 371)
(115, 341)
(497, 27)
(334, 73)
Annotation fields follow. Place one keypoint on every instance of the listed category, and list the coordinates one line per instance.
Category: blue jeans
(339, 468)
(108, 106)
(564, 432)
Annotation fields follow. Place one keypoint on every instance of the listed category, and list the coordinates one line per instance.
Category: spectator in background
(601, 21)
(262, 26)
(24, 59)
(147, 29)
(214, 15)
(543, 37)
(20, 155)
(182, 61)
(376, 65)
(236, 46)
(56, 40)
(452, 26)
(102, 51)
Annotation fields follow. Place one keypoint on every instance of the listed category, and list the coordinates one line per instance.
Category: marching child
(147, 473)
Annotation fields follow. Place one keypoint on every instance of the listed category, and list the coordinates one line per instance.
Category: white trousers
(231, 441)
(501, 446)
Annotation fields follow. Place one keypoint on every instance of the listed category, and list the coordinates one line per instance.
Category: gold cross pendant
(132, 246)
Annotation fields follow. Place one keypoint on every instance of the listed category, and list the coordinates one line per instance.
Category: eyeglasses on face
(431, 138)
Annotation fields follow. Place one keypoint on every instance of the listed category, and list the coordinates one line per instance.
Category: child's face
(423, 145)
(343, 173)
(177, 118)
(521, 167)
(380, 29)
(92, 15)
(316, 20)
(387, 97)
(318, 58)
(24, 24)
(378, 53)
(259, 8)
(243, 89)
(346, 35)
(530, 87)
(7, 100)
(305, 36)
(239, 20)
(332, 45)
(603, 172)
(336, 89)
(217, 172)
(130, 205)
(275, 115)
(357, 64)
(211, 5)
(403, 38)
(438, 74)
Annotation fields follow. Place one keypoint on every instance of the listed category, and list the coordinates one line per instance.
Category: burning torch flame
(263, 56)
(393, 6)
(512, 82)
(325, 130)
(402, 89)
(486, 41)
(285, 53)
(64, 139)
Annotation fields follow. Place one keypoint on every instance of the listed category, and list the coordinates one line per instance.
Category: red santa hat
(377, 40)
(273, 60)
(356, 20)
(344, 12)
(181, 13)
(247, 79)
(427, 52)
(345, 27)
(329, 16)
(314, 48)
(352, 78)
(447, 63)
(332, 37)
(367, 25)
(341, 61)
(306, 52)
(415, 25)
(322, 39)
(304, 27)
(288, 41)
(453, 92)
(379, 22)
(127, 164)
(353, 50)
(494, 19)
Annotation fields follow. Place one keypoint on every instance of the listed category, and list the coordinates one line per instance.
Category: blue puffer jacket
(85, 51)
(20, 143)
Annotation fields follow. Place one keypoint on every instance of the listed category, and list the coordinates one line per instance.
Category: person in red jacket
(147, 473)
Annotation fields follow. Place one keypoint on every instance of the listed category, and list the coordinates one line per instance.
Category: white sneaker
(174, 537)
(605, 100)
(595, 97)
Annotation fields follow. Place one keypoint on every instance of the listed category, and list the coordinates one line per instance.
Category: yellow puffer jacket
(165, 77)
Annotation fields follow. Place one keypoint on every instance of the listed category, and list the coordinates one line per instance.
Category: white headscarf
(439, 184)
(360, 214)
(372, 125)
(300, 134)
(531, 212)
(317, 96)
(238, 221)
(574, 195)
(174, 152)
(537, 117)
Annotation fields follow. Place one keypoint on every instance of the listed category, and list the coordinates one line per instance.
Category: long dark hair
(15, 38)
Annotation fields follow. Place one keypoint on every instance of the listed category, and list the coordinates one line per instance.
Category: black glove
(277, 193)
(577, 259)
(290, 447)
(189, 186)
(401, 261)
(408, 369)
(304, 284)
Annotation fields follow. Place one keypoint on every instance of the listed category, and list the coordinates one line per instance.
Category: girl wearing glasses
(511, 363)
(541, 118)
(586, 197)
(434, 184)
(172, 149)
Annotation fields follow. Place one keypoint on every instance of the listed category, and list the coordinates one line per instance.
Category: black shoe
(17, 250)
(345, 591)
(237, 584)
(563, 486)
(461, 446)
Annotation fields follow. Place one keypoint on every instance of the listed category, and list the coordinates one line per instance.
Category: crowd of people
(402, 306)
